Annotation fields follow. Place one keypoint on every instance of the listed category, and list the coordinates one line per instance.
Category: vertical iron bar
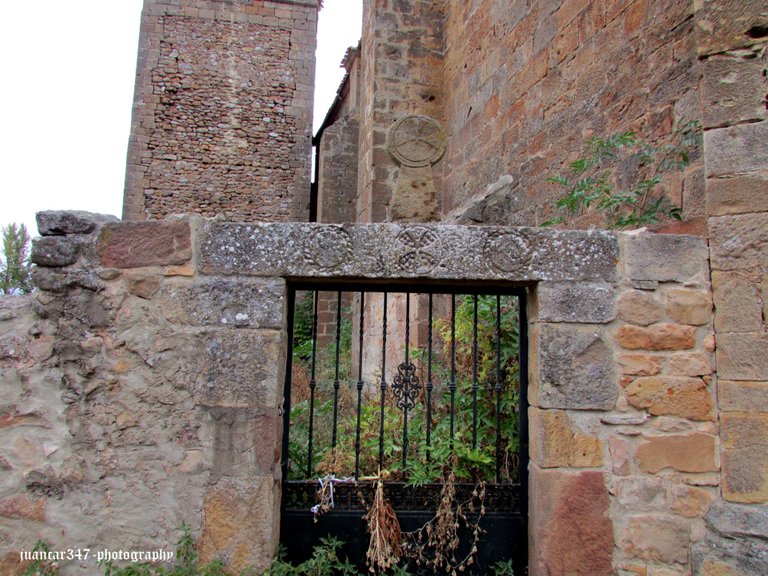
(407, 383)
(498, 388)
(312, 386)
(383, 384)
(523, 420)
(359, 384)
(474, 374)
(286, 408)
(452, 384)
(336, 382)
(429, 381)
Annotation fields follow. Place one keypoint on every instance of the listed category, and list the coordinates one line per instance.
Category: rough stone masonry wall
(142, 388)
(527, 82)
(137, 396)
(223, 110)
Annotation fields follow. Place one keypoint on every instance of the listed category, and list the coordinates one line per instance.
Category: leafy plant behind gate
(424, 462)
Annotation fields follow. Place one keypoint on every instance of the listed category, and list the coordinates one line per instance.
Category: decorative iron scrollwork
(406, 386)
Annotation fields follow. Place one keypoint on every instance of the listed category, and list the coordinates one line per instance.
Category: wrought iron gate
(407, 386)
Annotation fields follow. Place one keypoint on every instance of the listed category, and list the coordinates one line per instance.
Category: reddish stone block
(671, 396)
(685, 453)
(136, 244)
(640, 364)
(656, 337)
(23, 507)
(571, 521)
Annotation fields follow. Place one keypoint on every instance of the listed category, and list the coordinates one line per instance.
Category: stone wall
(141, 386)
(526, 83)
(402, 74)
(732, 39)
(223, 110)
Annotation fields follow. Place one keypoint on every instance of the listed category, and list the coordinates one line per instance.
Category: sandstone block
(691, 502)
(584, 302)
(63, 222)
(575, 369)
(671, 396)
(742, 396)
(689, 307)
(143, 286)
(738, 194)
(726, 25)
(656, 337)
(738, 302)
(732, 91)
(243, 368)
(556, 441)
(55, 251)
(640, 364)
(247, 441)
(640, 307)
(252, 303)
(742, 356)
(620, 456)
(241, 523)
(744, 439)
(658, 538)
(736, 149)
(23, 507)
(642, 494)
(136, 244)
(685, 453)
(572, 526)
(665, 258)
(690, 364)
(739, 242)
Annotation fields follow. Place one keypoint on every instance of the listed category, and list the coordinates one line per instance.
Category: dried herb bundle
(384, 528)
(435, 545)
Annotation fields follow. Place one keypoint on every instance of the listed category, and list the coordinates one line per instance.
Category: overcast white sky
(65, 103)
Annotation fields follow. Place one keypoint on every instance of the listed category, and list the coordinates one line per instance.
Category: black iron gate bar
(406, 384)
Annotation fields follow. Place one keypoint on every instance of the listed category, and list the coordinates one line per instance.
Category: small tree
(15, 272)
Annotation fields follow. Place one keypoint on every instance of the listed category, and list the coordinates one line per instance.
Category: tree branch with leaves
(15, 267)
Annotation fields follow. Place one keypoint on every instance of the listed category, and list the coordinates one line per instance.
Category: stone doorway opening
(406, 385)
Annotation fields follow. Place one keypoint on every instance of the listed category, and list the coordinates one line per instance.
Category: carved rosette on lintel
(416, 143)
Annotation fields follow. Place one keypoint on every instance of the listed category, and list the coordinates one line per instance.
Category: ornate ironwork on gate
(416, 387)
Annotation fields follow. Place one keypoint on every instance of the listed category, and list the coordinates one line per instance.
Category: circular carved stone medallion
(507, 252)
(416, 141)
(328, 248)
(422, 250)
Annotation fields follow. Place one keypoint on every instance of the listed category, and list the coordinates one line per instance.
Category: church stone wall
(526, 83)
(223, 110)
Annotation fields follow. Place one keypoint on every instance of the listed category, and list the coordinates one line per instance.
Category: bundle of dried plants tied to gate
(435, 545)
(384, 528)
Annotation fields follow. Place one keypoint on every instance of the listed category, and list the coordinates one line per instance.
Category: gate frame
(564, 270)
(521, 292)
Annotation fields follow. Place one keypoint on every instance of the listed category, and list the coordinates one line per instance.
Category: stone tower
(222, 110)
